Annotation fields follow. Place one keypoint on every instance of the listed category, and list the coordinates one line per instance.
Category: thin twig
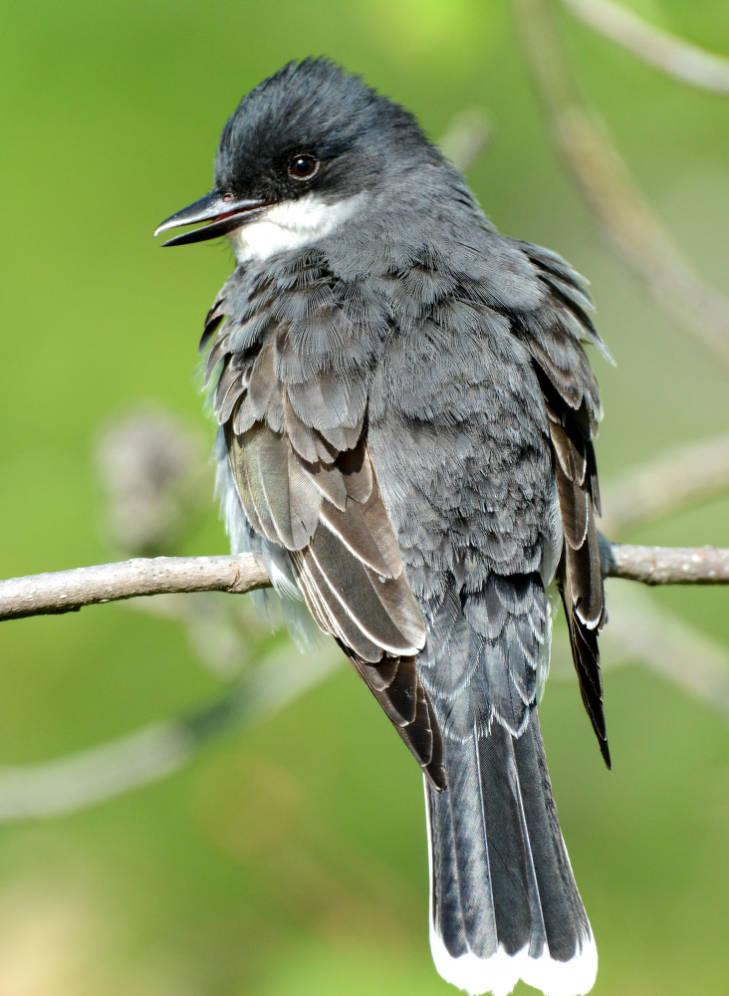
(672, 55)
(681, 477)
(67, 591)
(602, 176)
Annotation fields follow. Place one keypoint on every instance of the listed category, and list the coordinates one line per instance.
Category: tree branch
(639, 632)
(603, 178)
(68, 591)
(672, 55)
(655, 565)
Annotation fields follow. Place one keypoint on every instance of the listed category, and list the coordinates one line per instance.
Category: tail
(504, 902)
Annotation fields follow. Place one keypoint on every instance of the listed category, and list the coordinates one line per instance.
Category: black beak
(222, 212)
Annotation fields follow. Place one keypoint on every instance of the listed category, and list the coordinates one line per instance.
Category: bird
(406, 417)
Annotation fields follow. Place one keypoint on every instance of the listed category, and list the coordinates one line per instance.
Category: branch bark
(655, 565)
(69, 591)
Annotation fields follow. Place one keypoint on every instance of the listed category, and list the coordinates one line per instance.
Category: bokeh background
(289, 857)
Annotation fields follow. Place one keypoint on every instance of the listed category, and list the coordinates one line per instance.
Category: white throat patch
(290, 225)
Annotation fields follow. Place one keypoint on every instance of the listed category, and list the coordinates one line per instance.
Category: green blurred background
(290, 858)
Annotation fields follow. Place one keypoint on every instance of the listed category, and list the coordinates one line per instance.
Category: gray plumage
(406, 419)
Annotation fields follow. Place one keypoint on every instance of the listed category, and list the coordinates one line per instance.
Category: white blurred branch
(78, 781)
(641, 632)
(672, 55)
(466, 137)
(683, 476)
(602, 176)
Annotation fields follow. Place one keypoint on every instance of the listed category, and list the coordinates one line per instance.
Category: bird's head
(303, 152)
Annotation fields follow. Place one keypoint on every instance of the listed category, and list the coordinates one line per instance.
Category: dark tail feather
(504, 903)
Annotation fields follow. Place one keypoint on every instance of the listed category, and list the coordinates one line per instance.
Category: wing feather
(554, 334)
(292, 396)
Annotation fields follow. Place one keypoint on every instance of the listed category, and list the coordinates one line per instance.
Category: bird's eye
(303, 166)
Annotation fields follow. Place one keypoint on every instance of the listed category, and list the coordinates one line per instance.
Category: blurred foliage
(292, 860)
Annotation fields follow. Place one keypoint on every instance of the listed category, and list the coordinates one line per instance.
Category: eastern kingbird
(406, 418)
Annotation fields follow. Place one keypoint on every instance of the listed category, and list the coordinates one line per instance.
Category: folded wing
(297, 449)
(555, 333)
